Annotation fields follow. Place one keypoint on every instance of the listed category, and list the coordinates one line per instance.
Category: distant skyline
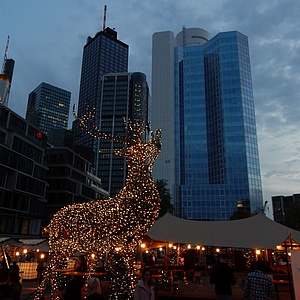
(47, 37)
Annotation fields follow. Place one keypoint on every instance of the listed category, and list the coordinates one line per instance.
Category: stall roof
(257, 231)
(41, 244)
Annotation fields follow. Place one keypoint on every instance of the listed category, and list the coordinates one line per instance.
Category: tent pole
(5, 257)
(141, 258)
(167, 253)
(288, 272)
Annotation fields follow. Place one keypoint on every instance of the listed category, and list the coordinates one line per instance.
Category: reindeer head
(140, 153)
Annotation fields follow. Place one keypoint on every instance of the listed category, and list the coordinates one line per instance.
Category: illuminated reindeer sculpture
(114, 225)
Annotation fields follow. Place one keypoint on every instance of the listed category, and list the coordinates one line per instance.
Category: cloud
(47, 38)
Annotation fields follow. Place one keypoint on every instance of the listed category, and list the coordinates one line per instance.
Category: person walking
(144, 289)
(258, 285)
(223, 277)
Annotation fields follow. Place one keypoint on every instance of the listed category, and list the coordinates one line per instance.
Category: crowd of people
(257, 284)
(78, 290)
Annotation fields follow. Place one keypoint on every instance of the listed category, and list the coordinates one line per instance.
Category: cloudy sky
(47, 36)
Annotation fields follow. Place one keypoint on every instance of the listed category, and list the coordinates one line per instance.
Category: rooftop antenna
(5, 55)
(183, 36)
(104, 17)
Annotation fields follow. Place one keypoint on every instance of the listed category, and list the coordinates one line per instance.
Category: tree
(165, 197)
(240, 214)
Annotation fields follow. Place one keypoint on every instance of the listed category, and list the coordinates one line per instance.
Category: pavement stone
(203, 291)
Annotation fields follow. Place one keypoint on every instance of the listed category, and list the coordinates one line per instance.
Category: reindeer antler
(132, 130)
(93, 130)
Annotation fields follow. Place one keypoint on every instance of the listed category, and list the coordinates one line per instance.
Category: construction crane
(5, 55)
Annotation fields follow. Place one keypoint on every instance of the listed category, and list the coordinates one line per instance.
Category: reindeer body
(103, 225)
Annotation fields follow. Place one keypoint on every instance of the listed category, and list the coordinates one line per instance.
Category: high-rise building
(281, 204)
(48, 107)
(203, 102)
(23, 173)
(123, 95)
(102, 54)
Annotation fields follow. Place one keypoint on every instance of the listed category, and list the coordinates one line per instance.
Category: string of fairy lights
(114, 225)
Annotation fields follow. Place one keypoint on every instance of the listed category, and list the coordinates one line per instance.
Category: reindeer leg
(55, 262)
(48, 275)
(129, 264)
(42, 284)
(90, 268)
(121, 270)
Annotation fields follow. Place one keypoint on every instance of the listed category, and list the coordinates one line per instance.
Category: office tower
(203, 102)
(281, 204)
(23, 172)
(102, 54)
(124, 95)
(48, 107)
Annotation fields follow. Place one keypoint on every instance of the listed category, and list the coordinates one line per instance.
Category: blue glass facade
(48, 107)
(106, 85)
(102, 54)
(217, 162)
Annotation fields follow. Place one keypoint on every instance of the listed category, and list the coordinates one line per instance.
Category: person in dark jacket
(223, 277)
(258, 285)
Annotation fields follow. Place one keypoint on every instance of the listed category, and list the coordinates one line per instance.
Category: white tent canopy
(254, 232)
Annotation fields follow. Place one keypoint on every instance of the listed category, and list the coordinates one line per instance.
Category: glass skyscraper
(48, 107)
(107, 86)
(203, 102)
(102, 54)
(123, 95)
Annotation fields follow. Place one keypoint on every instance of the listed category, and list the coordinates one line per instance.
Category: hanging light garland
(104, 225)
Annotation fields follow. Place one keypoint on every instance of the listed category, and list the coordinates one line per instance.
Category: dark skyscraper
(48, 107)
(102, 54)
(203, 102)
(124, 95)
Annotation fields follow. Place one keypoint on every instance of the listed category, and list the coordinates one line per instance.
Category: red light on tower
(39, 135)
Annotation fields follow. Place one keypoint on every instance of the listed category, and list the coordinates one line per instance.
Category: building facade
(23, 173)
(48, 107)
(281, 204)
(102, 54)
(123, 95)
(70, 177)
(203, 102)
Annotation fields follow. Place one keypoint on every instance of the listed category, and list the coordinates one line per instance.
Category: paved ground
(203, 291)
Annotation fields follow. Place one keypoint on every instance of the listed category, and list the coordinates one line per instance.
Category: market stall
(28, 270)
